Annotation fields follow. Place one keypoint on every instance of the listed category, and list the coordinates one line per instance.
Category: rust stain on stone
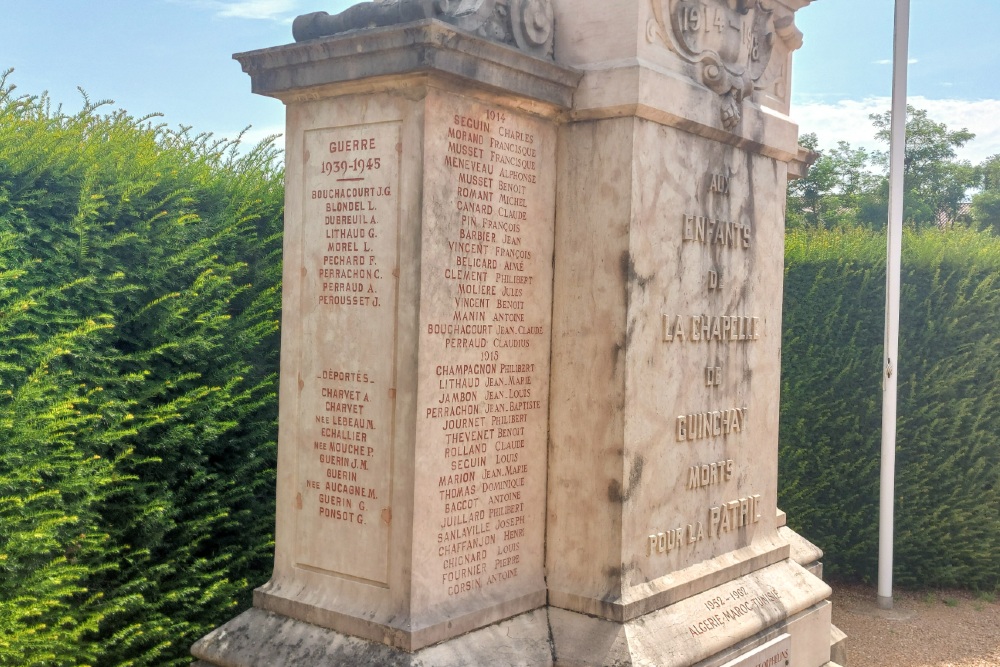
(387, 515)
(298, 501)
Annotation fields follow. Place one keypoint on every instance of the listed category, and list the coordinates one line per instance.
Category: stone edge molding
(526, 24)
(295, 72)
(733, 68)
(547, 636)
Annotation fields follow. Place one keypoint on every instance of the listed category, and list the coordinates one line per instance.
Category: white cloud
(256, 9)
(847, 120)
(269, 10)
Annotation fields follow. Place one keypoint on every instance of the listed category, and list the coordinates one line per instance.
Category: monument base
(781, 609)
(259, 638)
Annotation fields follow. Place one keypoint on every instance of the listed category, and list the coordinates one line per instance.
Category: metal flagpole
(897, 146)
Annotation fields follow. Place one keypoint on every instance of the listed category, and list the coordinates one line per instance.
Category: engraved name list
(349, 250)
(487, 341)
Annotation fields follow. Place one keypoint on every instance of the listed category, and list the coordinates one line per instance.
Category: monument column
(417, 301)
(663, 544)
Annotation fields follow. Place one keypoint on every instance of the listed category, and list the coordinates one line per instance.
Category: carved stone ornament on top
(526, 24)
(730, 42)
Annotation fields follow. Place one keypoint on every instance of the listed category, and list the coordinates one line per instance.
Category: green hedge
(948, 451)
(139, 306)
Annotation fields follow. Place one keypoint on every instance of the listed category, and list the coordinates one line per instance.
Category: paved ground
(938, 629)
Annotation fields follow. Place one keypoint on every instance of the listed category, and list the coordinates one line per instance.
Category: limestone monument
(531, 340)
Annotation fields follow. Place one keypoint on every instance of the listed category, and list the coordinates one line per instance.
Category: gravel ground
(929, 629)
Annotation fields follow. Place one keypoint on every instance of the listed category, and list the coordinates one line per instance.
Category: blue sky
(174, 57)
(844, 70)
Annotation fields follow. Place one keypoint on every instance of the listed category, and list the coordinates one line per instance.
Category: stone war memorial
(531, 340)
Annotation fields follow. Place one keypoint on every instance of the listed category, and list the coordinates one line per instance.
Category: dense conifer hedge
(139, 306)
(948, 460)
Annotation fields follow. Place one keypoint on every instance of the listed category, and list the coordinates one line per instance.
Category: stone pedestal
(416, 328)
(667, 333)
(531, 348)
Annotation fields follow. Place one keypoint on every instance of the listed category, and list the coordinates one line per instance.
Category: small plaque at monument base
(775, 653)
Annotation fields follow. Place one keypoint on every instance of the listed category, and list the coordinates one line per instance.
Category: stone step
(838, 645)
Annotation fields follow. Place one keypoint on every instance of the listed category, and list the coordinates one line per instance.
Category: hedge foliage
(948, 450)
(139, 307)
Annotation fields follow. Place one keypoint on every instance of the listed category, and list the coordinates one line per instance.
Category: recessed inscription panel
(705, 326)
(484, 354)
(346, 385)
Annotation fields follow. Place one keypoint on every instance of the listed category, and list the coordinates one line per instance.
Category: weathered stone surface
(683, 344)
(663, 471)
(634, 35)
(709, 630)
(414, 396)
(838, 646)
(526, 24)
(262, 639)
(319, 68)
(803, 551)
(451, 489)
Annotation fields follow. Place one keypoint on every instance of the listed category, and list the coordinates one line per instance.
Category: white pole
(897, 146)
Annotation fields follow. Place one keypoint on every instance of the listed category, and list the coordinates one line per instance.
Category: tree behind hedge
(948, 450)
(149, 261)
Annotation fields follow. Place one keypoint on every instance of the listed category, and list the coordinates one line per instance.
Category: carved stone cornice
(730, 43)
(526, 24)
